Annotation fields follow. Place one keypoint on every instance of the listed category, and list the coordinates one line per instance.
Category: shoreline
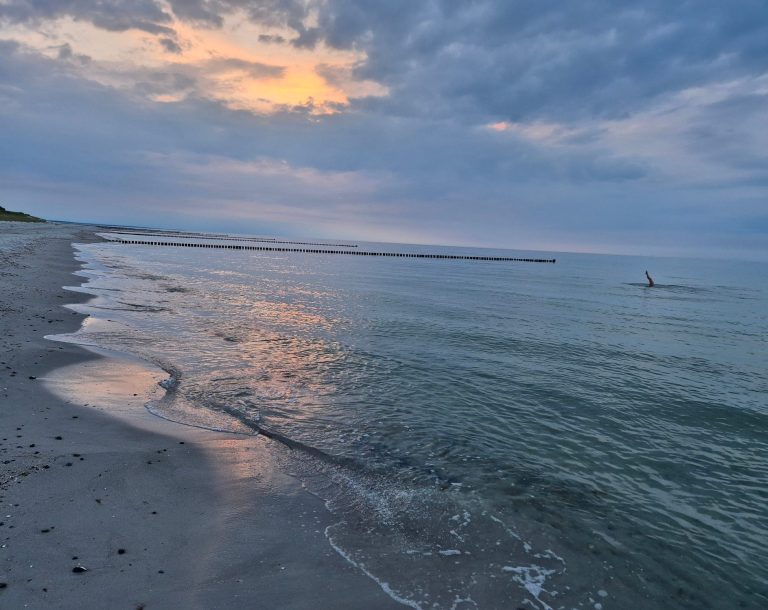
(158, 513)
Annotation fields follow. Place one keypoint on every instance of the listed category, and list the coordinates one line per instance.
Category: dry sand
(160, 515)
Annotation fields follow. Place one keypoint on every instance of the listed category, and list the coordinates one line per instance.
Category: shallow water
(493, 435)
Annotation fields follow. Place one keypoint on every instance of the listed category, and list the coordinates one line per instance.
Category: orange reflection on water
(286, 314)
(242, 458)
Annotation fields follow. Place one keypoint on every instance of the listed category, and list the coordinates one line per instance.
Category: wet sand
(156, 514)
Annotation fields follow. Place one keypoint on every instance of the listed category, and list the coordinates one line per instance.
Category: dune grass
(7, 215)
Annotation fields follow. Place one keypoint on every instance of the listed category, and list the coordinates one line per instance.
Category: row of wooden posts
(325, 251)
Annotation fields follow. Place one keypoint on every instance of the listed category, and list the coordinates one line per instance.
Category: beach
(203, 426)
(108, 506)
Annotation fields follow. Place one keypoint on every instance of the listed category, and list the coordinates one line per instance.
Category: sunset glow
(234, 64)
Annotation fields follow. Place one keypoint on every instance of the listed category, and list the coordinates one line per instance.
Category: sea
(486, 434)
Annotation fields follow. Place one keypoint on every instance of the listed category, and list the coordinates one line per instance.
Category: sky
(592, 126)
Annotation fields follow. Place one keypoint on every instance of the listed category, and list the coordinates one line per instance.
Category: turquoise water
(490, 435)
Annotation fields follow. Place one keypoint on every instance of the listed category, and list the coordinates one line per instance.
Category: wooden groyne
(270, 240)
(465, 257)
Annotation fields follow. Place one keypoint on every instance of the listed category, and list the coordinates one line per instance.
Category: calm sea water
(490, 435)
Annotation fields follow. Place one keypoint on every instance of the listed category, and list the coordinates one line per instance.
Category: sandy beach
(107, 506)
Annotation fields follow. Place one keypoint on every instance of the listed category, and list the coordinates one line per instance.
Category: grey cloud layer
(489, 59)
(113, 15)
(524, 59)
(661, 109)
(335, 143)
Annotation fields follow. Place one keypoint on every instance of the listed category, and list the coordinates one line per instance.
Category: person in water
(650, 279)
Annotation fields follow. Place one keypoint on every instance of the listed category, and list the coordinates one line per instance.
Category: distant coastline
(7, 215)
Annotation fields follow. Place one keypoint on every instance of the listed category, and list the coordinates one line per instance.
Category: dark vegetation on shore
(17, 216)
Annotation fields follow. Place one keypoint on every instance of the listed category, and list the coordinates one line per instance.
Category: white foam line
(462, 600)
(533, 579)
(509, 530)
(384, 585)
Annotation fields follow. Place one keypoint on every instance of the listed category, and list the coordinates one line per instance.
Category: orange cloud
(239, 64)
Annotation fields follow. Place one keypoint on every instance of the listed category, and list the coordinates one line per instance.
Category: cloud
(157, 16)
(165, 83)
(66, 53)
(170, 45)
(219, 78)
(252, 69)
(430, 158)
(114, 15)
(272, 39)
(492, 61)
(705, 137)
(512, 123)
(202, 12)
(485, 61)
